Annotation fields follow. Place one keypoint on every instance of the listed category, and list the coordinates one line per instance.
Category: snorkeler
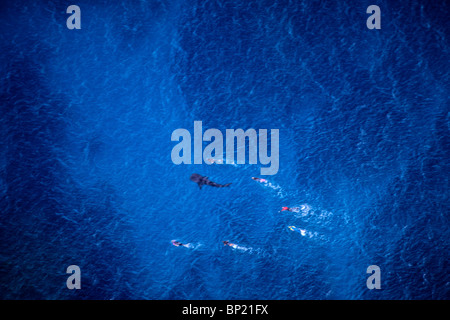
(179, 244)
(260, 180)
(301, 231)
(228, 243)
(303, 208)
(218, 161)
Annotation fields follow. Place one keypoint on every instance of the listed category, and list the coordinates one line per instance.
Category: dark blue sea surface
(86, 176)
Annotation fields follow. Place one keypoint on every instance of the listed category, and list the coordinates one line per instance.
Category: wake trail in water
(303, 232)
(272, 186)
(250, 250)
(221, 161)
(191, 246)
(305, 210)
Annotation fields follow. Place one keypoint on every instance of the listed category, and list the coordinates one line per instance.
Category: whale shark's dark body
(201, 180)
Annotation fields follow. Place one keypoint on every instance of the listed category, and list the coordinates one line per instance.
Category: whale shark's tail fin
(226, 185)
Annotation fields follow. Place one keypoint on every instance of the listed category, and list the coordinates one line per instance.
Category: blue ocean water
(86, 176)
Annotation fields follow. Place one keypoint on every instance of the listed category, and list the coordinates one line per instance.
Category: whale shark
(201, 180)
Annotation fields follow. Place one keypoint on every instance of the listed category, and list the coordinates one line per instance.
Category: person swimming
(301, 231)
(228, 243)
(179, 244)
(260, 180)
(218, 161)
(293, 209)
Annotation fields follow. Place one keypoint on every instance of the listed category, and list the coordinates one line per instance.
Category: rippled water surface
(86, 176)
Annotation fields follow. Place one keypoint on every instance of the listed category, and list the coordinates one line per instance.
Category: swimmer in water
(228, 243)
(179, 244)
(301, 231)
(260, 180)
(218, 161)
(293, 209)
